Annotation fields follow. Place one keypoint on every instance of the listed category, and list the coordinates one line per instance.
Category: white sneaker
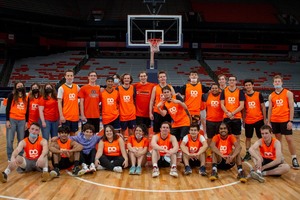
(92, 167)
(100, 167)
(118, 169)
(155, 172)
(173, 172)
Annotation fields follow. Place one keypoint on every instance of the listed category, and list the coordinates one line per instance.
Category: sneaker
(132, 170)
(202, 171)
(247, 156)
(257, 176)
(3, 177)
(187, 170)
(242, 177)
(100, 167)
(45, 176)
(295, 164)
(118, 169)
(214, 175)
(155, 172)
(173, 172)
(55, 173)
(92, 168)
(77, 172)
(138, 170)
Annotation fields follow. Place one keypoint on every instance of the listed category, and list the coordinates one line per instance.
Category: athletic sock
(154, 165)
(45, 169)
(239, 168)
(7, 171)
(76, 163)
(215, 167)
(294, 156)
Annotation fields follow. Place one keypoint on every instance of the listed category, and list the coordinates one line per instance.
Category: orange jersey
(142, 99)
(112, 148)
(141, 144)
(18, 110)
(33, 150)
(280, 106)
(70, 102)
(214, 112)
(232, 101)
(165, 143)
(127, 106)
(158, 97)
(180, 116)
(253, 108)
(64, 146)
(225, 146)
(193, 96)
(193, 145)
(110, 110)
(92, 99)
(33, 111)
(50, 108)
(268, 152)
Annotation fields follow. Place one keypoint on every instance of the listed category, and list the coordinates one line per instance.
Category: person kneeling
(224, 156)
(165, 147)
(35, 159)
(65, 153)
(267, 156)
(194, 147)
(137, 148)
(111, 152)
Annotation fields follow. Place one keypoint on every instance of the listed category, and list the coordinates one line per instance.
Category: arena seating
(44, 69)
(1, 64)
(177, 70)
(261, 71)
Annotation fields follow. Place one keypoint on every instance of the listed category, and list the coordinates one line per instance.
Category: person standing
(254, 115)
(90, 98)
(281, 115)
(232, 103)
(32, 113)
(68, 102)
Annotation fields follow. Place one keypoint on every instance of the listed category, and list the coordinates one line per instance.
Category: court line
(8, 197)
(158, 191)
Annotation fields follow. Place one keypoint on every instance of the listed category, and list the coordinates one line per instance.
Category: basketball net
(154, 48)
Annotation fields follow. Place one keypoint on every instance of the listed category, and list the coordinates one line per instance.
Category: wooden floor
(110, 185)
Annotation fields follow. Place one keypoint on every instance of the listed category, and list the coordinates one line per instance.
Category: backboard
(141, 28)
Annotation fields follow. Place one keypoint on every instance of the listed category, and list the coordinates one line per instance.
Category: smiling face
(143, 77)
(34, 129)
(69, 77)
(193, 77)
(167, 94)
(223, 130)
(109, 133)
(164, 130)
(138, 133)
(92, 77)
(88, 133)
(248, 87)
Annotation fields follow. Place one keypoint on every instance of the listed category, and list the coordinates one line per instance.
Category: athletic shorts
(158, 120)
(223, 165)
(127, 124)
(194, 163)
(281, 128)
(235, 125)
(143, 120)
(115, 124)
(266, 161)
(30, 166)
(162, 162)
(72, 125)
(212, 128)
(249, 129)
(180, 132)
(65, 163)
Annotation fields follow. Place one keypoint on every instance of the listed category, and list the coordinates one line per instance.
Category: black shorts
(224, 166)
(127, 124)
(162, 162)
(281, 128)
(72, 125)
(115, 124)
(235, 125)
(266, 161)
(65, 163)
(212, 128)
(180, 132)
(95, 122)
(143, 120)
(158, 120)
(249, 129)
(194, 163)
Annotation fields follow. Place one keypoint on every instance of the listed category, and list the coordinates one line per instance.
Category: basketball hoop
(154, 44)
(154, 48)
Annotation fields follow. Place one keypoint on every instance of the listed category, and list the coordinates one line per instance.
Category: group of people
(222, 110)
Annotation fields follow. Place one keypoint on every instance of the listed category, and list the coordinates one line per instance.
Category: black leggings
(87, 158)
(109, 162)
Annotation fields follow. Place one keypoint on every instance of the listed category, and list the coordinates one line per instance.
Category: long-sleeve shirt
(88, 144)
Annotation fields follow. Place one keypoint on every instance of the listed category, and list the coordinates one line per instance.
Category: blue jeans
(50, 129)
(16, 126)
